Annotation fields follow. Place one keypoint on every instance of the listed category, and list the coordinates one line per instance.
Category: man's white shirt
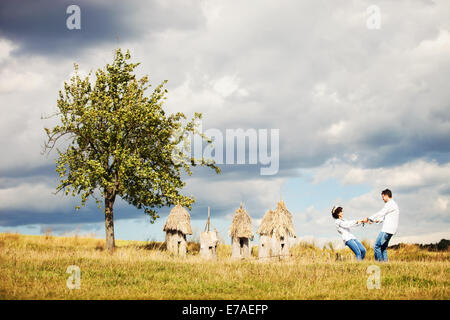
(343, 227)
(389, 215)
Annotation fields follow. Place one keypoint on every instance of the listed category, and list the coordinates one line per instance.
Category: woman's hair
(335, 212)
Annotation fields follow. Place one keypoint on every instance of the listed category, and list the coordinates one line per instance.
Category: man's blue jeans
(381, 244)
(356, 246)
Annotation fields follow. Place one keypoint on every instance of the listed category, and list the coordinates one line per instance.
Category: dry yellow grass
(34, 267)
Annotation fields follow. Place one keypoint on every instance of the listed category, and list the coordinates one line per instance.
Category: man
(389, 215)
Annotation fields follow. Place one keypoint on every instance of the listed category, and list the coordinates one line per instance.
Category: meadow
(34, 267)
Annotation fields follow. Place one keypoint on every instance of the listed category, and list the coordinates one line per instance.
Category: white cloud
(189, 98)
(442, 203)
(11, 81)
(336, 130)
(438, 46)
(415, 174)
(6, 47)
(226, 85)
(258, 194)
(37, 197)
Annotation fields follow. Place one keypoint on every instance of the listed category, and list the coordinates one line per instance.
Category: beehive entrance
(241, 246)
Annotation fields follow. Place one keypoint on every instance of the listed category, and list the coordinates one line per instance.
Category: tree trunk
(109, 222)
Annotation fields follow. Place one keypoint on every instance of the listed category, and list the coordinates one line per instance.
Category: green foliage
(121, 142)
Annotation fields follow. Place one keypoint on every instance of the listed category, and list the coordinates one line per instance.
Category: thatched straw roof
(178, 220)
(277, 223)
(241, 227)
(281, 206)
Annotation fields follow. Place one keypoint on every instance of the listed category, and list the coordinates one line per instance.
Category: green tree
(121, 143)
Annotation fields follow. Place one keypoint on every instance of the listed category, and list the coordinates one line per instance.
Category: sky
(359, 97)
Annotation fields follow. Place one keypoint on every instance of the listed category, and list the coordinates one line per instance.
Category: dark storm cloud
(68, 215)
(395, 147)
(21, 172)
(40, 26)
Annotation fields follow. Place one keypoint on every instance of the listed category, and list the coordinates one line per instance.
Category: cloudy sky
(359, 109)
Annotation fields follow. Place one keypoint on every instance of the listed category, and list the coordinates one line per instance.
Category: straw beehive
(241, 231)
(275, 232)
(177, 226)
(208, 241)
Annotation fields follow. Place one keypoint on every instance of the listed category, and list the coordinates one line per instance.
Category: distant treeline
(440, 246)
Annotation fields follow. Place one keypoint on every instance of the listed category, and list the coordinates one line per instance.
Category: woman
(343, 227)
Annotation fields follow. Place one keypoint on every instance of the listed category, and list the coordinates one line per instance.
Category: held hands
(366, 220)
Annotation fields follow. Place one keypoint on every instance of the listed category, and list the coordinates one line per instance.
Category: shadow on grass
(192, 247)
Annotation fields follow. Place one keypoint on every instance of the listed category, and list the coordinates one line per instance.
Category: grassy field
(34, 267)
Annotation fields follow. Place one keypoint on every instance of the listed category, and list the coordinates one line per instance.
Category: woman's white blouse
(343, 227)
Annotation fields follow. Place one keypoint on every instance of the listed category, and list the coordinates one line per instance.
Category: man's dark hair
(387, 192)
(335, 212)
